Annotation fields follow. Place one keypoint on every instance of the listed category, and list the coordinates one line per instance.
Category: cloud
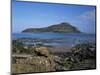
(86, 21)
(87, 16)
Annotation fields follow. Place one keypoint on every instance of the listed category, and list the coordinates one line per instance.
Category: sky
(37, 15)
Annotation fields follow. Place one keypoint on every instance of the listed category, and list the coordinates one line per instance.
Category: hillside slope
(60, 28)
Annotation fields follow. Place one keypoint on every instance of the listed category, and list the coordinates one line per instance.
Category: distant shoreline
(50, 32)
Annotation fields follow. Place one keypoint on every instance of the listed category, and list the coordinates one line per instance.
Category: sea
(57, 39)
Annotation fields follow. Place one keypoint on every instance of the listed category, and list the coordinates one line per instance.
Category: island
(57, 28)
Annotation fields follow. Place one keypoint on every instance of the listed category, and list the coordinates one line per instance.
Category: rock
(36, 64)
(81, 56)
(83, 51)
(42, 51)
(58, 59)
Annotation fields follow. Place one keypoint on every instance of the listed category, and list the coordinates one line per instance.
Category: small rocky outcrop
(83, 56)
(84, 51)
(41, 61)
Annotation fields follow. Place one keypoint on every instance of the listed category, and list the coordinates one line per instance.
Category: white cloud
(86, 21)
(87, 16)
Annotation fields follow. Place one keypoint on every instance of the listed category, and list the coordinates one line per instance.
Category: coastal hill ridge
(57, 28)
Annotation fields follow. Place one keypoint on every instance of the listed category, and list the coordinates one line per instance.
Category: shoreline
(41, 58)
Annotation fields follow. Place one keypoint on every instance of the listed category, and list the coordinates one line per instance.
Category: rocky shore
(41, 58)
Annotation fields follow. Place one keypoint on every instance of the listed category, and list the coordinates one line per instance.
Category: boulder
(42, 51)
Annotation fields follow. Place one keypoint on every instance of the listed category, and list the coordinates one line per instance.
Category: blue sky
(37, 15)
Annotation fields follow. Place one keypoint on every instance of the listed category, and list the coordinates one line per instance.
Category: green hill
(59, 28)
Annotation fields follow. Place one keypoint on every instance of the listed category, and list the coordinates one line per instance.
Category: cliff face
(60, 28)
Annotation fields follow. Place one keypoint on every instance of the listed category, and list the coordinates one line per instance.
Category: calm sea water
(63, 38)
